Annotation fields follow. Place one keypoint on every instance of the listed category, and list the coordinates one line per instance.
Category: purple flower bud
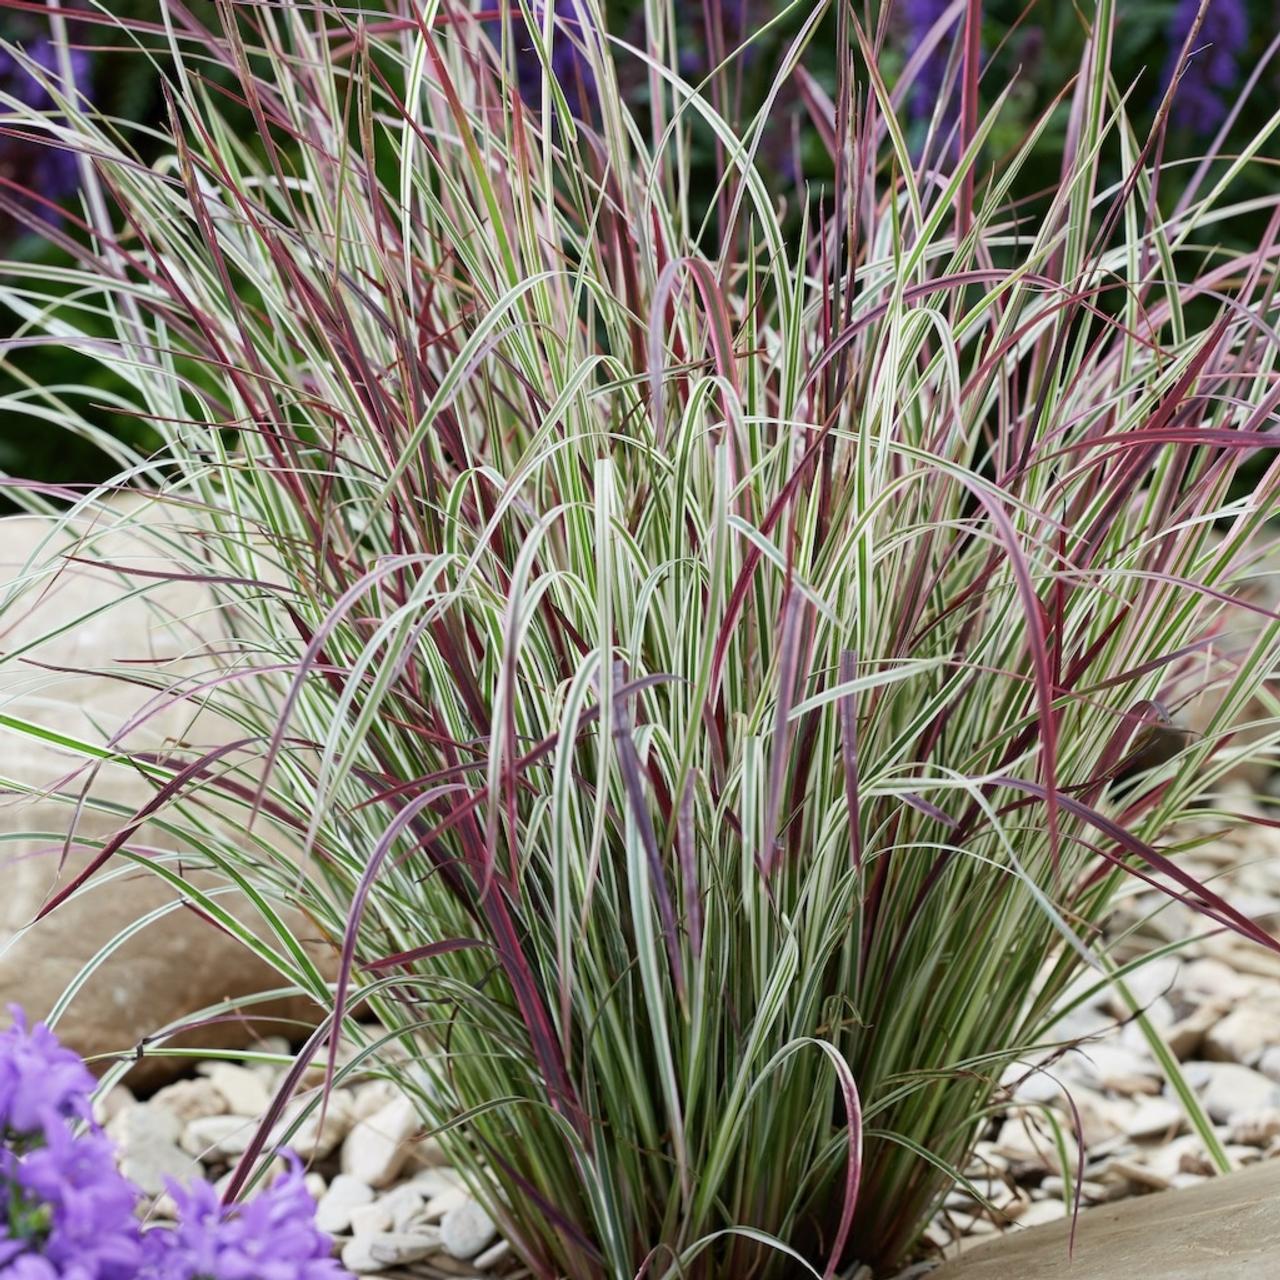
(1212, 66)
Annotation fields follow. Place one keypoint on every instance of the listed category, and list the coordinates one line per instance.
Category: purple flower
(68, 1211)
(29, 159)
(733, 17)
(1213, 64)
(921, 15)
(77, 1207)
(42, 1084)
(569, 63)
(271, 1237)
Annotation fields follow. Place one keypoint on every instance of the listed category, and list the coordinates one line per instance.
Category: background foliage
(1036, 44)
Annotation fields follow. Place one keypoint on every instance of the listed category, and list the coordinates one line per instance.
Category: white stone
(109, 1105)
(1231, 1091)
(317, 1137)
(1243, 1035)
(215, 1139)
(1152, 1118)
(145, 1123)
(1259, 1130)
(370, 1097)
(405, 1204)
(1038, 1212)
(1215, 979)
(377, 1148)
(370, 1219)
(369, 1254)
(149, 1164)
(245, 1092)
(191, 1099)
(1269, 1063)
(466, 1229)
(450, 1198)
(1148, 983)
(491, 1257)
(345, 1193)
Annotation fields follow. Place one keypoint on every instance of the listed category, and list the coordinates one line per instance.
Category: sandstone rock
(1226, 1228)
(179, 963)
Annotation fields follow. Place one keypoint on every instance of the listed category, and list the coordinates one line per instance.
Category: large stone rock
(178, 963)
(1226, 1228)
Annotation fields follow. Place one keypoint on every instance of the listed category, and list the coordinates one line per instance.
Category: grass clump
(690, 650)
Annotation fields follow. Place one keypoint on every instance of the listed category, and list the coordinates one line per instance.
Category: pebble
(492, 1256)
(396, 1205)
(1152, 1118)
(1230, 1090)
(376, 1149)
(368, 1254)
(1243, 1035)
(466, 1229)
(344, 1193)
(319, 1134)
(150, 1164)
(192, 1100)
(216, 1139)
(244, 1090)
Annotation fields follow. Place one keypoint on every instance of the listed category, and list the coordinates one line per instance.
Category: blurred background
(1032, 48)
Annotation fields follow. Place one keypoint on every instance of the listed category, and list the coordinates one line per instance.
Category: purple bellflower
(67, 1213)
(271, 1237)
(921, 15)
(569, 63)
(1213, 67)
(27, 158)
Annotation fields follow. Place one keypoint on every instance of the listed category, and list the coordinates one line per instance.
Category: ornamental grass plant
(695, 653)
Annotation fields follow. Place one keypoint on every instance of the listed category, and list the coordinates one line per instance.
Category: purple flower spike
(30, 160)
(271, 1237)
(1213, 66)
(569, 64)
(921, 15)
(42, 1084)
(67, 1213)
